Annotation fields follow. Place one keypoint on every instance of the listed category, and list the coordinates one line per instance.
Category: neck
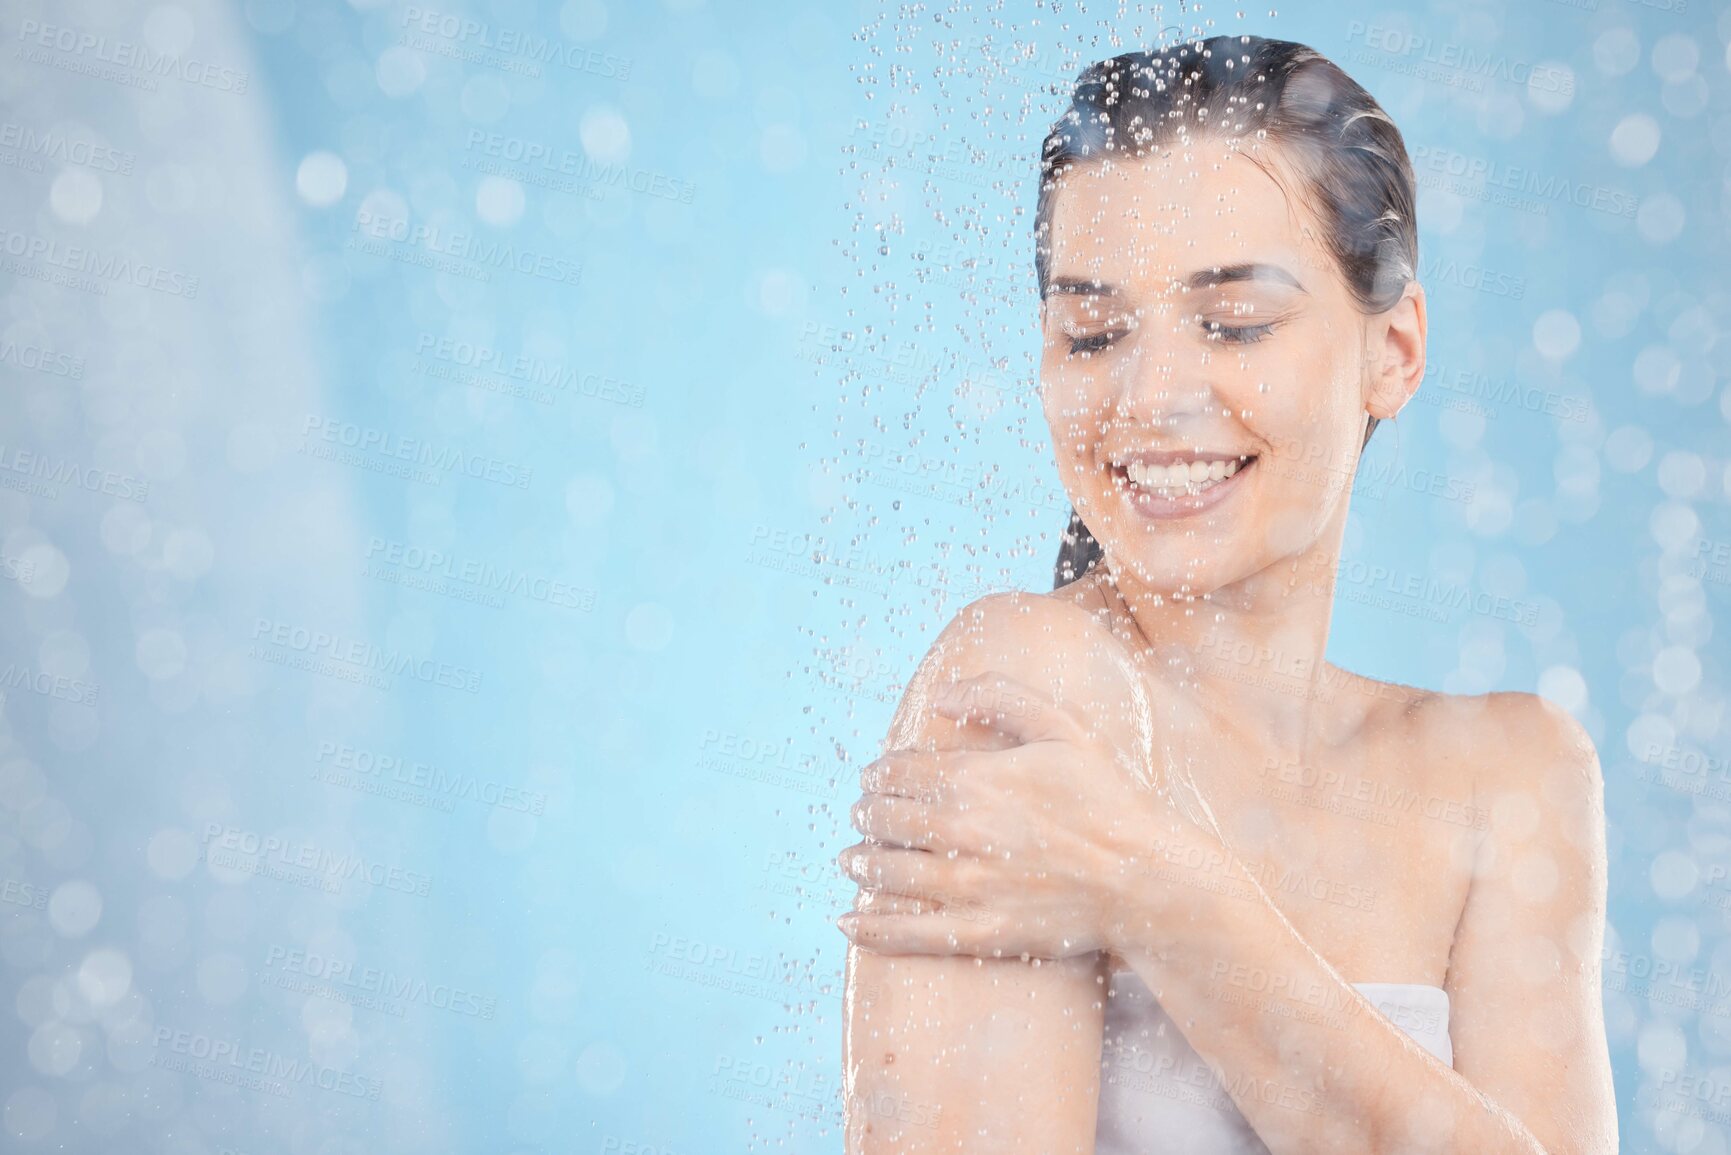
(1253, 650)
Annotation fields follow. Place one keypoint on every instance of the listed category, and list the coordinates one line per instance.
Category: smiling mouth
(1181, 478)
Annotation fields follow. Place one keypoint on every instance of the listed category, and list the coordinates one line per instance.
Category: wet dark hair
(1357, 177)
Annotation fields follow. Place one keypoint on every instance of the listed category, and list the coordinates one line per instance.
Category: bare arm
(956, 1054)
(1324, 1072)
(1524, 976)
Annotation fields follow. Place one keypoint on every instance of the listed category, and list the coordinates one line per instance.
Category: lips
(1168, 456)
(1170, 499)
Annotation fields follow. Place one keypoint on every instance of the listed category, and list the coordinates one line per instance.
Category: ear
(1395, 359)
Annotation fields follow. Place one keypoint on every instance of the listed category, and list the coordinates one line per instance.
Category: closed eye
(1236, 334)
(1093, 343)
(1212, 330)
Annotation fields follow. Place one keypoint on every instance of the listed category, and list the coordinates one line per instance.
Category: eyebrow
(1202, 279)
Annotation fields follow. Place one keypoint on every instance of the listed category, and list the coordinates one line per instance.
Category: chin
(1159, 570)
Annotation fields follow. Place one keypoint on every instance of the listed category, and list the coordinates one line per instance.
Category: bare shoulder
(1522, 756)
(1510, 729)
(1554, 770)
(1020, 631)
(1505, 748)
(1054, 643)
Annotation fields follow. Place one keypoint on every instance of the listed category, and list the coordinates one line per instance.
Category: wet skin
(1492, 886)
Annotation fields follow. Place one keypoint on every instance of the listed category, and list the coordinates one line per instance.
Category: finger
(918, 774)
(1005, 704)
(870, 901)
(901, 822)
(923, 934)
(911, 872)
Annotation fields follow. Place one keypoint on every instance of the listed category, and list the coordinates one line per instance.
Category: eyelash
(1242, 334)
(1231, 334)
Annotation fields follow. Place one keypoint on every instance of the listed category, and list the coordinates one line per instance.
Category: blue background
(756, 417)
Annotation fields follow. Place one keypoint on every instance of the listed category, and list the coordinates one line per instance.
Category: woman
(1141, 871)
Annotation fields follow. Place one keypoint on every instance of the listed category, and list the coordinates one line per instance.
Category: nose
(1163, 380)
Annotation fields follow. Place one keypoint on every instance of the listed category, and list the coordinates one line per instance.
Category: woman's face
(1204, 366)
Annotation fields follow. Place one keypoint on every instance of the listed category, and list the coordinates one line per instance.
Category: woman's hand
(1029, 851)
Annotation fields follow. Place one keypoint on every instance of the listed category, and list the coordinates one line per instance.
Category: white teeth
(1183, 475)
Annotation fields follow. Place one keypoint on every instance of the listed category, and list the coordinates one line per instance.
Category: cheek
(1298, 401)
(1307, 421)
(1074, 406)
(1276, 403)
